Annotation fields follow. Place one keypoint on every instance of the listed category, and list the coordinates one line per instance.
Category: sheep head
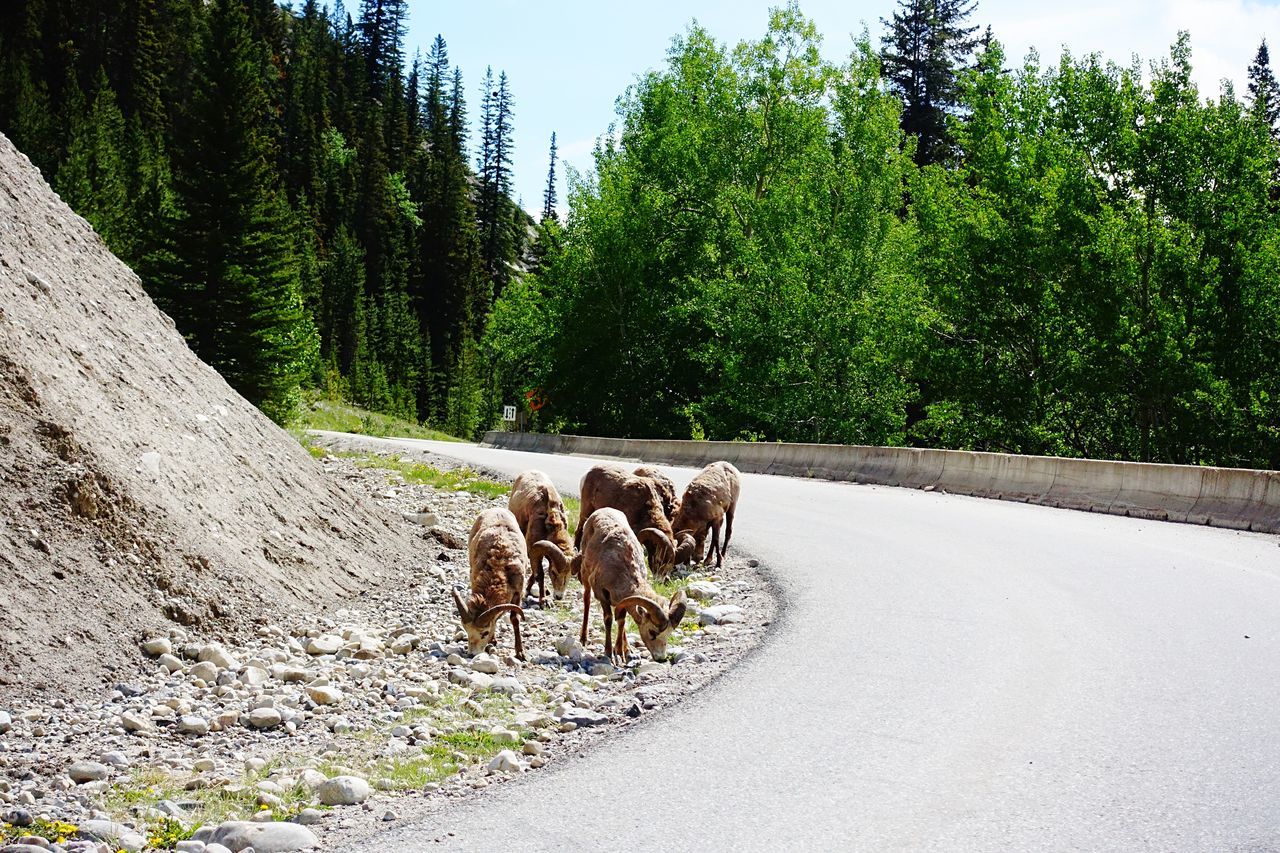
(559, 555)
(656, 619)
(479, 621)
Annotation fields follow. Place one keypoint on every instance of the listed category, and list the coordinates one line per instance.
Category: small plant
(55, 831)
(165, 833)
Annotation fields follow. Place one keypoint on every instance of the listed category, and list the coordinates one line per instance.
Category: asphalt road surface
(948, 673)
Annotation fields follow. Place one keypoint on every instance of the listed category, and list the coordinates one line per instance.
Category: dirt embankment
(137, 489)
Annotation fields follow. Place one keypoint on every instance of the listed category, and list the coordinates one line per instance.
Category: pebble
(206, 671)
(158, 646)
(325, 644)
(267, 837)
(581, 718)
(135, 722)
(87, 771)
(170, 663)
(485, 663)
(505, 761)
(308, 817)
(265, 718)
(193, 725)
(324, 695)
(721, 614)
(6, 722)
(343, 791)
(703, 590)
(218, 656)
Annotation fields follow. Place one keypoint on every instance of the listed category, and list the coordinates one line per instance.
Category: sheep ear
(678, 606)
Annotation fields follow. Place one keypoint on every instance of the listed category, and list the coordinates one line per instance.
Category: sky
(568, 61)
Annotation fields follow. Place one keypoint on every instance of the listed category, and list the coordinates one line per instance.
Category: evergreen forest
(928, 243)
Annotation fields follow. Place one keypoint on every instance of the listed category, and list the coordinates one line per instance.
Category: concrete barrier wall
(1238, 498)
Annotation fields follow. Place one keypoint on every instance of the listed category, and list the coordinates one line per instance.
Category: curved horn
(657, 537)
(457, 602)
(655, 611)
(497, 610)
(684, 553)
(550, 550)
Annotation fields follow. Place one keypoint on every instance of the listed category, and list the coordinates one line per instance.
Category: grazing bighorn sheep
(639, 501)
(611, 564)
(711, 498)
(540, 513)
(666, 488)
(498, 567)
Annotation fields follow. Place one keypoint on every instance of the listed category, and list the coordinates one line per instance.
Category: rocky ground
(325, 726)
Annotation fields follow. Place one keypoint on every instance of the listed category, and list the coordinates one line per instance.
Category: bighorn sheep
(639, 501)
(498, 567)
(711, 498)
(540, 513)
(611, 564)
(666, 488)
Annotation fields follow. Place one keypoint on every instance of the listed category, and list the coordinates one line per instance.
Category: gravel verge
(325, 727)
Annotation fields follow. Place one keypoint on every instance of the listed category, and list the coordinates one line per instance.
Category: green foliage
(302, 210)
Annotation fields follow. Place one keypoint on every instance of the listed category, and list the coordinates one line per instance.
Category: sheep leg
(515, 626)
(620, 648)
(607, 612)
(715, 541)
(535, 574)
(728, 525)
(586, 611)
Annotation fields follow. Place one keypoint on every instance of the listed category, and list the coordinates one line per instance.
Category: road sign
(509, 413)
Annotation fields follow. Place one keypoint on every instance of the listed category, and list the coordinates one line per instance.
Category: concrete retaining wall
(1238, 498)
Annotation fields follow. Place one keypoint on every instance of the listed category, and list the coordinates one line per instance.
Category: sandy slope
(136, 486)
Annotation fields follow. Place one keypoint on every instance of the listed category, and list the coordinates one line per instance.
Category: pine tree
(228, 274)
(497, 245)
(549, 194)
(93, 179)
(922, 53)
(1264, 91)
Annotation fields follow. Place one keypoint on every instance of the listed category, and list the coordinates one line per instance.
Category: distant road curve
(950, 673)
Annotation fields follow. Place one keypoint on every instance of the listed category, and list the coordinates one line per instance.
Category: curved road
(949, 673)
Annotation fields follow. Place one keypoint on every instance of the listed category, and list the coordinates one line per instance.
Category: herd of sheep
(627, 523)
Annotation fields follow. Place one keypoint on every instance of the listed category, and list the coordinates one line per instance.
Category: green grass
(463, 479)
(319, 413)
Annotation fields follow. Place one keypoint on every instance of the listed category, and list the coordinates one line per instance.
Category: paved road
(949, 673)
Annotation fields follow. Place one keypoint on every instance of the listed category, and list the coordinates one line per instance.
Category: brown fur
(638, 499)
(611, 564)
(540, 513)
(710, 500)
(666, 488)
(499, 564)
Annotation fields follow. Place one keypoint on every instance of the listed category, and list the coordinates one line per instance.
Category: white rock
(508, 685)
(569, 647)
(254, 676)
(308, 817)
(218, 656)
(158, 646)
(190, 846)
(343, 791)
(193, 725)
(134, 722)
(203, 765)
(485, 663)
(532, 747)
(703, 590)
(169, 663)
(506, 762)
(265, 718)
(87, 771)
(325, 644)
(267, 837)
(206, 671)
(114, 759)
(6, 722)
(325, 695)
(720, 614)
(501, 735)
